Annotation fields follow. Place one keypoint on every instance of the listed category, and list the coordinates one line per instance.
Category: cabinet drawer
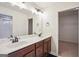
(38, 44)
(47, 39)
(39, 51)
(23, 51)
(30, 54)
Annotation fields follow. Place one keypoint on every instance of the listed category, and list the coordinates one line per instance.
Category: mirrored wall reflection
(37, 24)
(5, 26)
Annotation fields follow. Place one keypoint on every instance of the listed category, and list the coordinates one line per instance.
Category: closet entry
(68, 33)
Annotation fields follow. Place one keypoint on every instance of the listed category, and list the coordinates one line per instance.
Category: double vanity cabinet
(38, 49)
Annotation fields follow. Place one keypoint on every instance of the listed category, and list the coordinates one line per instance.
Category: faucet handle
(16, 39)
(12, 39)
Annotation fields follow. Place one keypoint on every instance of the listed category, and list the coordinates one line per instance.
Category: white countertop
(9, 47)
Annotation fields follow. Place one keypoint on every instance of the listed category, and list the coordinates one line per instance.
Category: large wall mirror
(5, 26)
(37, 24)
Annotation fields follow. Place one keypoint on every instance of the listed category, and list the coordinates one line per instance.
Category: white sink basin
(16, 44)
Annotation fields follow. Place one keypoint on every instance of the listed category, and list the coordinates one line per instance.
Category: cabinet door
(49, 45)
(45, 49)
(39, 51)
(30, 54)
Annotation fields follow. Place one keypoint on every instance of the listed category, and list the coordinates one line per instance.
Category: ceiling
(8, 5)
(42, 5)
(57, 5)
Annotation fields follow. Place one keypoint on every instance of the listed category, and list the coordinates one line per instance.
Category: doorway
(30, 26)
(68, 33)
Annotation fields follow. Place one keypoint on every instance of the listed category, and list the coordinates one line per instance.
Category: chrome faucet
(13, 39)
(39, 34)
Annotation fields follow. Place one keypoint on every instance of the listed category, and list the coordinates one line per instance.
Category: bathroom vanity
(39, 49)
(33, 47)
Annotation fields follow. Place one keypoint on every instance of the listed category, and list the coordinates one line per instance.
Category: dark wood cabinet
(47, 46)
(39, 49)
(24, 51)
(30, 54)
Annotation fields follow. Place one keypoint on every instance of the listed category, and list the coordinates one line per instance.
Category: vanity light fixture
(39, 10)
(47, 24)
(19, 4)
(23, 6)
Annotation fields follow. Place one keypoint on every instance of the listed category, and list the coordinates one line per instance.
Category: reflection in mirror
(37, 24)
(5, 26)
(30, 26)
